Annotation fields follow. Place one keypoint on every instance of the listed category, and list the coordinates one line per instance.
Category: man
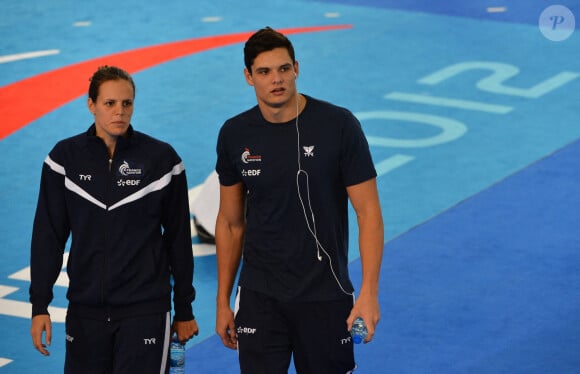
(122, 195)
(287, 168)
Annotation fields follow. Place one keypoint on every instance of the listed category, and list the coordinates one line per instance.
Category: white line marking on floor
(211, 19)
(27, 55)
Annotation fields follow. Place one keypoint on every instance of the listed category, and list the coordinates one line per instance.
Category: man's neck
(285, 113)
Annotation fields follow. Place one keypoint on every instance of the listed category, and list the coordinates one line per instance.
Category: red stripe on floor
(27, 100)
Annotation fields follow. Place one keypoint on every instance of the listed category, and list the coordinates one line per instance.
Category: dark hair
(264, 40)
(104, 74)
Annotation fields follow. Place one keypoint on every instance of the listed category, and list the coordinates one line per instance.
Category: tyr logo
(84, 177)
(308, 151)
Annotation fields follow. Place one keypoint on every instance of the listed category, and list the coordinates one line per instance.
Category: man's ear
(248, 76)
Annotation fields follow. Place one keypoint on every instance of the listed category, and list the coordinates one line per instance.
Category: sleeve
(356, 160)
(49, 236)
(228, 175)
(177, 238)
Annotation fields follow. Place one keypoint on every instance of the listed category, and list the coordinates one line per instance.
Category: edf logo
(251, 172)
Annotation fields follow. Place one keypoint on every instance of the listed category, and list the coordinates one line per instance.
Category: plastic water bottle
(176, 357)
(358, 331)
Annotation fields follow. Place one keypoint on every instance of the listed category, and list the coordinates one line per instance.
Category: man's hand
(366, 307)
(41, 323)
(225, 327)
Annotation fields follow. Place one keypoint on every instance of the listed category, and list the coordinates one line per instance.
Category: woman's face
(113, 109)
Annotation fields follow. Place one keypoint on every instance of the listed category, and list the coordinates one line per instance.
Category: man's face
(274, 78)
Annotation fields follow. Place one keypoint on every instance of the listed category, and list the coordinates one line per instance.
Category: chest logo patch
(247, 157)
(126, 170)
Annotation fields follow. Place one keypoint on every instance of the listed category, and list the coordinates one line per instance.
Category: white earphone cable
(312, 228)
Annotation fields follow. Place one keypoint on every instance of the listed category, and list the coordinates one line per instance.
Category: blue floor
(472, 116)
(490, 285)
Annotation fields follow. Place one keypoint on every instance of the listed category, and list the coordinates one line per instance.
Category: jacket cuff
(183, 312)
(39, 309)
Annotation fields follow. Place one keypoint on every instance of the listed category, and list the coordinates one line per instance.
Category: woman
(122, 197)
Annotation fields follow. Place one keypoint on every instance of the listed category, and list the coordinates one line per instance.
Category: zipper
(106, 249)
